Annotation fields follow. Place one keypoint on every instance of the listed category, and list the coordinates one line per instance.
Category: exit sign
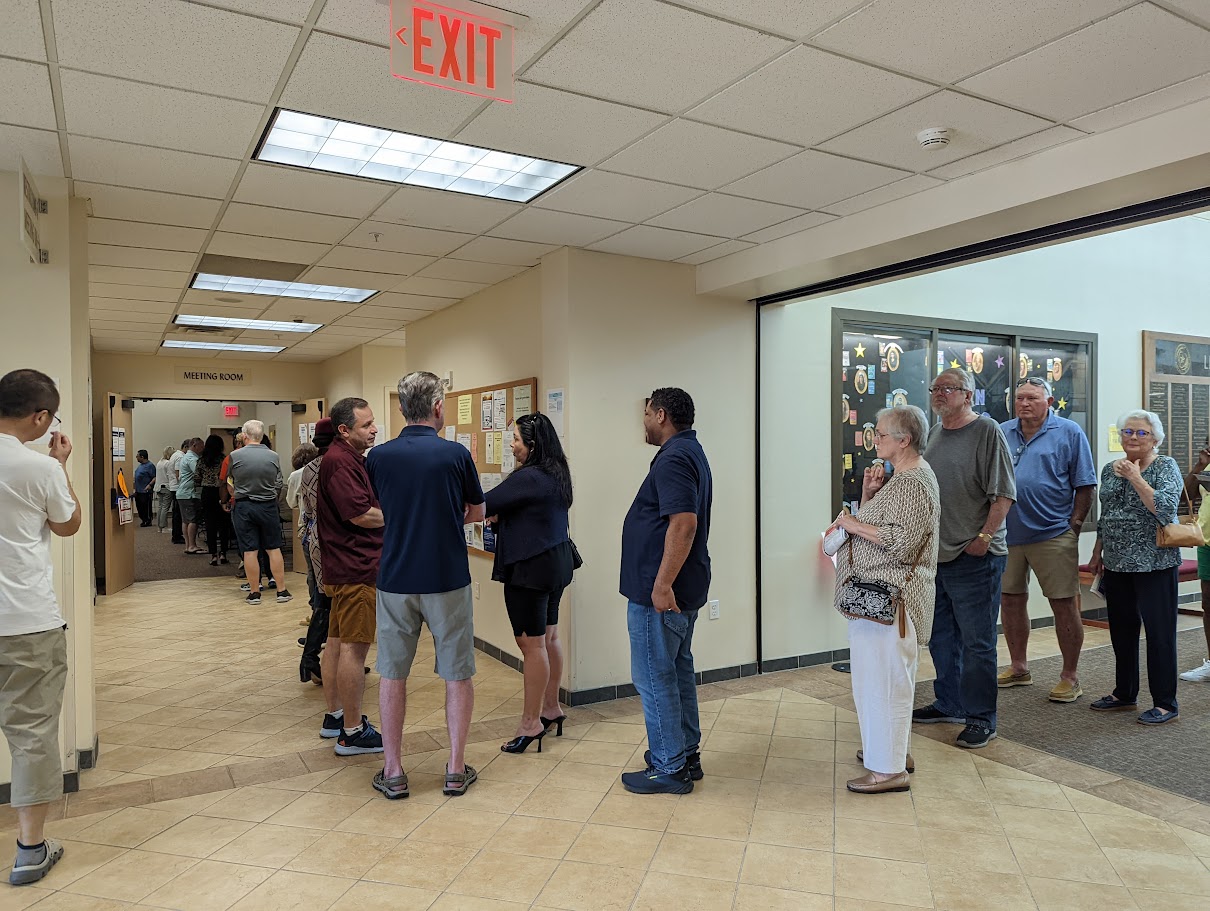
(231, 411)
(467, 47)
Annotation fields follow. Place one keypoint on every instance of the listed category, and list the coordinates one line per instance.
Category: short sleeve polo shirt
(423, 483)
(350, 553)
(678, 481)
(1049, 467)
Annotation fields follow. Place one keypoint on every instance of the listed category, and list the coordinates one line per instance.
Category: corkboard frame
(475, 428)
(1179, 384)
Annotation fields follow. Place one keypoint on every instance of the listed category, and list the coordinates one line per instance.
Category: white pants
(884, 689)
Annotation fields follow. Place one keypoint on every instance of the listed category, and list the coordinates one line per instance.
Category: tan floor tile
(583, 776)
(1083, 802)
(733, 765)
(180, 761)
(1032, 824)
(611, 732)
(20, 899)
(878, 839)
(817, 711)
(508, 877)
(804, 748)
(209, 886)
(597, 752)
(957, 815)
(699, 856)
(365, 895)
(197, 836)
(67, 828)
(781, 867)
(634, 811)
(1160, 872)
(289, 891)
(979, 891)
(249, 804)
(422, 865)
(525, 770)
(79, 859)
(1148, 900)
(811, 772)
(728, 742)
(1136, 833)
(738, 793)
(590, 887)
(318, 811)
(397, 818)
(345, 854)
(661, 891)
(961, 851)
(891, 881)
(1198, 843)
(300, 782)
(451, 902)
(715, 820)
(130, 758)
(553, 802)
(453, 826)
(789, 798)
(128, 828)
(268, 845)
(942, 784)
(65, 901)
(1062, 895)
(792, 830)
(763, 898)
(1042, 794)
(734, 723)
(351, 781)
(536, 837)
(614, 846)
(131, 877)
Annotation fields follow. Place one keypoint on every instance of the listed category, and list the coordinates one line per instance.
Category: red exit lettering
(452, 48)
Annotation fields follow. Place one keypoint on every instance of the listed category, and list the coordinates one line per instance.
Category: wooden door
(117, 567)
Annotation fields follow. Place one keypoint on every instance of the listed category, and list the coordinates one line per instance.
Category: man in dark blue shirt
(665, 578)
(144, 486)
(428, 488)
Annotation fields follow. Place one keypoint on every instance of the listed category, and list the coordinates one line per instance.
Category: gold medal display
(867, 436)
(861, 382)
(977, 360)
(1058, 371)
(892, 356)
(1024, 366)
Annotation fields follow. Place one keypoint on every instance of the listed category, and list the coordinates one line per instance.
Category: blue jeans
(963, 644)
(661, 666)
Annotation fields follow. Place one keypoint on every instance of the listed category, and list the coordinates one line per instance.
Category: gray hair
(963, 376)
(419, 393)
(254, 431)
(906, 421)
(1157, 426)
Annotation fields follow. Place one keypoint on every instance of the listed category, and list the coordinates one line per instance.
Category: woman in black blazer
(535, 559)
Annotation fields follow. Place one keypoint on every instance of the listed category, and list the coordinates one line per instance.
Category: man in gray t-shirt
(974, 472)
(255, 474)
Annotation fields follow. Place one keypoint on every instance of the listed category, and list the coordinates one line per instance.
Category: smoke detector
(933, 138)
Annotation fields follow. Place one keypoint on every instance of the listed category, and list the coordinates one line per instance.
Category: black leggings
(530, 611)
(218, 522)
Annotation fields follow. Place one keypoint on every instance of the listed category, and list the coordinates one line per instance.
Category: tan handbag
(1184, 532)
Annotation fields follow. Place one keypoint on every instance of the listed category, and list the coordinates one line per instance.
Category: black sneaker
(253, 598)
(693, 762)
(331, 726)
(649, 781)
(974, 736)
(272, 584)
(367, 740)
(930, 714)
(284, 595)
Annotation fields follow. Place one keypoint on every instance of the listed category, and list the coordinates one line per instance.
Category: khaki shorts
(352, 617)
(1056, 563)
(33, 671)
(450, 618)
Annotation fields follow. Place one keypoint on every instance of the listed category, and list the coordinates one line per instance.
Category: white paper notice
(508, 464)
(485, 411)
(491, 448)
(464, 439)
(554, 409)
(521, 401)
(495, 479)
(451, 434)
(302, 434)
(500, 408)
(469, 532)
(311, 431)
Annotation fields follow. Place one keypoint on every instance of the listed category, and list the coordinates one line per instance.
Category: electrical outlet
(477, 591)
(713, 605)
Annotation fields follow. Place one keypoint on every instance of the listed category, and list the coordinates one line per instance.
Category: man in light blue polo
(1056, 481)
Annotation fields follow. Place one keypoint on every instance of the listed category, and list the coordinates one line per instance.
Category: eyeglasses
(946, 390)
(880, 436)
(1129, 432)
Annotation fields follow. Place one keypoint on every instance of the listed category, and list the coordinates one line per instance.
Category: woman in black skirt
(218, 521)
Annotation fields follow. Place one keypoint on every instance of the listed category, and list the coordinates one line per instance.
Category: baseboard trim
(71, 784)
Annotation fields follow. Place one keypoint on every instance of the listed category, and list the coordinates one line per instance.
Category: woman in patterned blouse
(1139, 494)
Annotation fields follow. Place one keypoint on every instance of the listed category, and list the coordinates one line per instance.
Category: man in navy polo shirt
(665, 577)
(428, 488)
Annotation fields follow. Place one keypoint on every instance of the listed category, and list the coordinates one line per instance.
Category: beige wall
(341, 377)
(381, 368)
(153, 376)
(165, 422)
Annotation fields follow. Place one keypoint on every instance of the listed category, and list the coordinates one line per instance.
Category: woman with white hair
(1139, 494)
(891, 549)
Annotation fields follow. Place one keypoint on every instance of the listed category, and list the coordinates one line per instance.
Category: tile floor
(771, 827)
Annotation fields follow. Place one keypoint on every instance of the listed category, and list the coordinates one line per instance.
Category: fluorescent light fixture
(231, 322)
(237, 285)
(223, 346)
(306, 141)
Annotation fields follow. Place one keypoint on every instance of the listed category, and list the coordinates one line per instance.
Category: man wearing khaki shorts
(36, 500)
(1056, 480)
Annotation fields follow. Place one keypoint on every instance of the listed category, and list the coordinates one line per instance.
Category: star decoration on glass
(954, 363)
(859, 350)
(1061, 404)
(1000, 361)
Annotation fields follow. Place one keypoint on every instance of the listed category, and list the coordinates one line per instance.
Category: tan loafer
(911, 763)
(1007, 678)
(1065, 691)
(868, 784)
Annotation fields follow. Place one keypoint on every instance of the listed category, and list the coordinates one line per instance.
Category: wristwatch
(985, 536)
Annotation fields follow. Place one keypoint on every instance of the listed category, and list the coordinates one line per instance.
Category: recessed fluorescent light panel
(306, 141)
(237, 285)
(223, 346)
(231, 322)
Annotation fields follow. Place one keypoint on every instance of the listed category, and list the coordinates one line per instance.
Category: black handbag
(576, 560)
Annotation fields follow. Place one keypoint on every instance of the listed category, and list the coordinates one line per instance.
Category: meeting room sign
(462, 46)
(210, 376)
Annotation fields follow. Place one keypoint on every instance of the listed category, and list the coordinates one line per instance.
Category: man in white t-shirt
(174, 481)
(36, 500)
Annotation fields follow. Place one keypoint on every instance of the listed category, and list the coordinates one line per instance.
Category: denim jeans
(661, 666)
(963, 644)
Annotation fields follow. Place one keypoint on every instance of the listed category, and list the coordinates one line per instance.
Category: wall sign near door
(186, 375)
(462, 45)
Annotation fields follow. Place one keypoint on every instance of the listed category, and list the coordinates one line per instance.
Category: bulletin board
(481, 420)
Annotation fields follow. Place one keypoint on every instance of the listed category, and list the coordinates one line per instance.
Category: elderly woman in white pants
(892, 543)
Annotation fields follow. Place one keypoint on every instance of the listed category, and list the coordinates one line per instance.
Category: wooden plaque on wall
(1176, 386)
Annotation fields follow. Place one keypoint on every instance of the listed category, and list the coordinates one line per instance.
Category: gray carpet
(156, 558)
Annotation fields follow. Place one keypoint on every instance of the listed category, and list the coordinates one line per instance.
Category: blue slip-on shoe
(1158, 715)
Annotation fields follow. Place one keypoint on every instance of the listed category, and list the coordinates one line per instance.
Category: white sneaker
(1198, 674)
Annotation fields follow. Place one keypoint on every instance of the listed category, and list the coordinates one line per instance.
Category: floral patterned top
(1126, 528)
(308, 501)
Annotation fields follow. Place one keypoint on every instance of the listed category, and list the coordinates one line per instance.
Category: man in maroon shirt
(349, 522)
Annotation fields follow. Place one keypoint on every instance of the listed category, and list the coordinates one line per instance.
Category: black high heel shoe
(521, 744)
(547, 722)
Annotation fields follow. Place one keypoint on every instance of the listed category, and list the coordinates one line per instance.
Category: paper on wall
(508, 462)
(464, 409)
(485, 411)
(302, 434)
(311, 431)
(554, 409)
(451, 433)
(522, 404)
(491, 448)
(464, 439)
(499, 409)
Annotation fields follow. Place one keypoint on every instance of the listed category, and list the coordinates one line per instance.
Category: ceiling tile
(1135, 52)
(1174, 96)
(622, 51)
(332, 333)
(26, 100)
(292, 11)
(336, 77)
(379, 235)
(616, 196)
(897, 190)
(114, 291)
(137, 234)
(224, 301)
(111, 308)
(673, 153)
(250, 246)
(105, 161)
(291, 308)
(465, 271)
(791, 18)
(197, 355)
(124, 275)
(558, 126)
(725, 216)
(294, 356)
(410, 301)
(138, 258)
(655, 243)
(361, 322)
(158, 116)
(1007, 152)
(130, 330)
(348, 278)
(22, 32)
(1198, 9)
(726, 248)
(399, 314)
(39, 148)
(499, 250)
(168, 42)
(289, 188)
(948, 39)
(252, 311)
(438, 287)
(974, 126)
(444, 210)
(843, 95)
(365, 20)
(131, 347)
(786, 228)
(391, 340)
(813, 179)
(546, 226)
(243, 218)
(148, 206)
(375, 260)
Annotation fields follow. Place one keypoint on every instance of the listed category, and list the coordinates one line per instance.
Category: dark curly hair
(212, 451)
(677, 404)
(545, 451)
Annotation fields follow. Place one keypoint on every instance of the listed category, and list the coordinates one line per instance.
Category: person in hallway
(893, 541)
(321, 605)
(218, 520)
(304, 453)
(535, 560)
(226, 490)
(144, 487)
(174, 483)
(1196, 487)
(1056, 479)
(165, 496)
(255, 472)
(665, 577)
(188, 494)
(429, 488)
(349, 523)
(1139, 494)
(974, 473)
(36, 501)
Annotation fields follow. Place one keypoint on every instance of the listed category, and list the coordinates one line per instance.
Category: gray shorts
(450, 618)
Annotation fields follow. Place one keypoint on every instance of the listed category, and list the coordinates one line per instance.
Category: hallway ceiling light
(222, 346)
(306, 141)
(231, 322)
(206, 282)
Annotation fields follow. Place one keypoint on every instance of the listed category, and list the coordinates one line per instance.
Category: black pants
(178, 534)
(142, 502)
(218, 522)
(1148, 600)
